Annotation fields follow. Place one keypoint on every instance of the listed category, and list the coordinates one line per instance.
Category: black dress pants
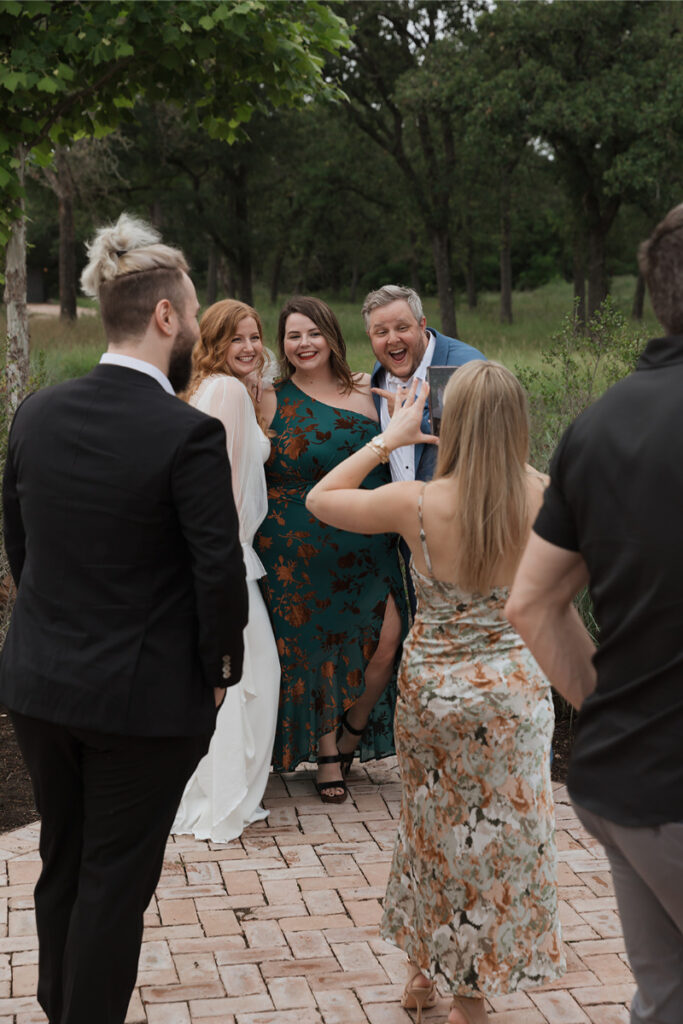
(107, 804)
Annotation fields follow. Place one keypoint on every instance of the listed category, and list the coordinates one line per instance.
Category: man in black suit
(122, 537)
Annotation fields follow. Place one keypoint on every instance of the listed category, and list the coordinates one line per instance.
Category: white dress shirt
(114, 359)
(402, 460)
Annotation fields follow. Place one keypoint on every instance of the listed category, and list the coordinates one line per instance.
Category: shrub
(576, 368)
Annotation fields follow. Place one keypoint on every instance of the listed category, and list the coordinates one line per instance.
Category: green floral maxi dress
(326, 589)
(472, 894)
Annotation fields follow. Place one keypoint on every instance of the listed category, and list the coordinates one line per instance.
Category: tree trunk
(17, 361)
(354, 283)
(301, 286)
(414, 262)
(579, 279)
(470, 275)
(441, 250)
(67, 238)
(226, 276)
(275, 274)
(155, 214)
(243, 246)
(335, 278)
(597, 271)
(505, 262)
(212, 275)
(639, 298)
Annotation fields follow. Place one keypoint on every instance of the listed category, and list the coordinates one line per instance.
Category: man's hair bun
(127, 247)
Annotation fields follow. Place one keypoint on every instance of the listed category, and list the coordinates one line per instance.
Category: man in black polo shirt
(612, 518)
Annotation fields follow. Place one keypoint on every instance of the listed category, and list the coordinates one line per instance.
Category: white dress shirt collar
(141, 365)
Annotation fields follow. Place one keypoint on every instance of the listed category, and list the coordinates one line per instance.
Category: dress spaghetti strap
(423, 536)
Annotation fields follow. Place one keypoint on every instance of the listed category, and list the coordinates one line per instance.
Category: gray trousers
(647, 870)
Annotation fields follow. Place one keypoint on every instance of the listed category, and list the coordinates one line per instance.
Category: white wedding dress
(224, 794)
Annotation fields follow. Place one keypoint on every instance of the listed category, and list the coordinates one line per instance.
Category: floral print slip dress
(472, 894)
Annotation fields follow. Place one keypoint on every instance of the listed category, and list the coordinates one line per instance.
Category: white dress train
(224, 794)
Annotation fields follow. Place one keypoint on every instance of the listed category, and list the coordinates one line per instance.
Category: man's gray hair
(390, 293)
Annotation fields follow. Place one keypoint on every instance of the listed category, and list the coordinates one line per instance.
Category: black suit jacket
(122, 537)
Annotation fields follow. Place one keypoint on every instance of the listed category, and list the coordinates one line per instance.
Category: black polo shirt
(616, 495)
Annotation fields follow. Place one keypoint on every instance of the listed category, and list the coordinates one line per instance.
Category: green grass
(69, 350)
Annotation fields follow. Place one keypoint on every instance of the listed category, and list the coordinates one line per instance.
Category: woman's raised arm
(336, 499)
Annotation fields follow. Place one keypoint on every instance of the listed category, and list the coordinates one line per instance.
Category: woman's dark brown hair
(325, 320)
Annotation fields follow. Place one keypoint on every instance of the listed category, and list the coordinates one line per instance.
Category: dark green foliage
(70, 68)
(577, 366)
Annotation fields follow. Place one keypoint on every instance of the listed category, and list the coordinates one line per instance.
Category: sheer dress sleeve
(227, 399)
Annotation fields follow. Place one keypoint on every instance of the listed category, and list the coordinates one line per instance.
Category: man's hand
(389, 395)
(219, 695)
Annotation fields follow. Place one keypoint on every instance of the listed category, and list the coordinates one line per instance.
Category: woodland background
(460, 147)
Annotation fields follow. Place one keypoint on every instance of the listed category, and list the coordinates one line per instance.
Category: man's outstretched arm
(541, 609)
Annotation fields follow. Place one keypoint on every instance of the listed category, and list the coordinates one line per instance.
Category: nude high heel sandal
(473, 1010)
(417, 997)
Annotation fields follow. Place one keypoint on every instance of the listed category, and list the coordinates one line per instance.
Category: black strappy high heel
(347, 759)
(325, 788)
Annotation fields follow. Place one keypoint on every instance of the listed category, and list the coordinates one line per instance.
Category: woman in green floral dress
(334, 597)
(472, 893)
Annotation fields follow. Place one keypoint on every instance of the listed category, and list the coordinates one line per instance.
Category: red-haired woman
(224, 795)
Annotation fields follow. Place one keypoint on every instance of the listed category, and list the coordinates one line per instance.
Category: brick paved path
(281, 926)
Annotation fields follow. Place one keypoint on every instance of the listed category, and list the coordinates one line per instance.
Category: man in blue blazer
(404, 347)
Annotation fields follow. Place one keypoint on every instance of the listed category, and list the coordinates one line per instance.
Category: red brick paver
(281, 926)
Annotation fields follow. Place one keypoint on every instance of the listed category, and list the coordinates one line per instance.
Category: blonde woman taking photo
(472, 896)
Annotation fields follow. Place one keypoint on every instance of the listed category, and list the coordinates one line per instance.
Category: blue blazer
(447, 352)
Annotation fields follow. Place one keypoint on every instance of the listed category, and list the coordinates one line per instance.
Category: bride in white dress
(224, 794)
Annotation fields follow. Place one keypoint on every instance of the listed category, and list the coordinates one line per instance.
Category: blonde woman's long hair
(216, 330)
(484, 444)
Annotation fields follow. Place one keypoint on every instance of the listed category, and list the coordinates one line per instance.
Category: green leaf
(43, 156)
(206, 22)
(49, 84)
(12, 80)
(65, 72)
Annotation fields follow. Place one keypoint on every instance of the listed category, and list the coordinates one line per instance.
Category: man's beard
(180, 363)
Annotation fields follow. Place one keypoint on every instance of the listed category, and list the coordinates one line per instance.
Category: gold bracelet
(379, 446)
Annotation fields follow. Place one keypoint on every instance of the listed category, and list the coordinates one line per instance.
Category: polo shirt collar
(661, 352)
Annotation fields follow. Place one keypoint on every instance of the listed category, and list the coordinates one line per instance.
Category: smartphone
(437, 378)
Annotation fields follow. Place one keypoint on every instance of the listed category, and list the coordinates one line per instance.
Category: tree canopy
(73, 68)
(472, 145)
(70, 68)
